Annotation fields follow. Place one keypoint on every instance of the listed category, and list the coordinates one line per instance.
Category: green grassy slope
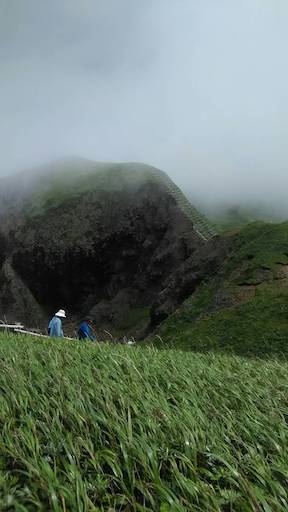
(98, 428)
(69, 181)
(245, 309)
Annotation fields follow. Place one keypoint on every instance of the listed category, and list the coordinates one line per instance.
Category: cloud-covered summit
(196, 88)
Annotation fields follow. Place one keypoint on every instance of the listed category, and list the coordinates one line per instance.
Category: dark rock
(201, 264)
(116, 243)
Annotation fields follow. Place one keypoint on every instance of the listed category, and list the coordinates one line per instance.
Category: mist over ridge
(198, 89)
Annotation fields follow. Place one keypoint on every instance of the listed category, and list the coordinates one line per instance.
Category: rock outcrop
(105, 240)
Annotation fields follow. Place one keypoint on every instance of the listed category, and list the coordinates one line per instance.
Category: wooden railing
(201, 224)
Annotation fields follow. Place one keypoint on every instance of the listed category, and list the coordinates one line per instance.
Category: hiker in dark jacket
(85, 331)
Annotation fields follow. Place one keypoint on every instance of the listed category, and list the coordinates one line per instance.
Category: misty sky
(198, 88)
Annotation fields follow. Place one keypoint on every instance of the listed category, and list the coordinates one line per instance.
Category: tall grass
(89, 427)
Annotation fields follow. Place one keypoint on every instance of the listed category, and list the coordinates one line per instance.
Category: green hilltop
(65, 181)
(71, 178)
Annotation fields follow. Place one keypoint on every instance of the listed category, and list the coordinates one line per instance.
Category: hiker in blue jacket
(55, 329)
(85, 331)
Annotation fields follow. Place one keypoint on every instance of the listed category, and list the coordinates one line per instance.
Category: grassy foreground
(113, 428)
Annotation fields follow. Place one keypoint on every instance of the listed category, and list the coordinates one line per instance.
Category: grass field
(116, 428)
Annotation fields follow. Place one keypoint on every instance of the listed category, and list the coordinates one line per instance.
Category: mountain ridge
(103, 243)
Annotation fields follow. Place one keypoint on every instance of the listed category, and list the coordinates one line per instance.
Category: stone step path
(201, 225)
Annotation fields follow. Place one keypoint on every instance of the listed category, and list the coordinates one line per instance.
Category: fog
(198, 88)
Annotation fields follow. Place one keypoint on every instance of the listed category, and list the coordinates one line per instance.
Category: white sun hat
(61, 313)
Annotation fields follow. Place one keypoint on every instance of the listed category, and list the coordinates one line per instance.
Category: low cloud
(197, 88)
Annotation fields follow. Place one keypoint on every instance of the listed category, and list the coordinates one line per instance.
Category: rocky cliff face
(109, 241)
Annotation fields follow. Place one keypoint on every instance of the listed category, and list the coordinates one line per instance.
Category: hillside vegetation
(244, 307)
(89, 427)
(70, 183)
